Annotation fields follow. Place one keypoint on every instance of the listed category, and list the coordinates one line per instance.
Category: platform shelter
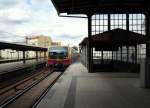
(114, 50)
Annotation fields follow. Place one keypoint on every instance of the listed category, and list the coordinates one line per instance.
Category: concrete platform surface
(9, 67)
(79, 89)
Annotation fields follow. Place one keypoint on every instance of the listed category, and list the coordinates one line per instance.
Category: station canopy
(100, 6)
(111, 40)
(20, 47)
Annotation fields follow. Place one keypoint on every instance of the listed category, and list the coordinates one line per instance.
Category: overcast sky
(20, 18)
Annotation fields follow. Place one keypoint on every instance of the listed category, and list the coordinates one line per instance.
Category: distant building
(40, 41)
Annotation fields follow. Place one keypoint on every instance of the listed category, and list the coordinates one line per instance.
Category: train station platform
(77, 88)
(13, 66)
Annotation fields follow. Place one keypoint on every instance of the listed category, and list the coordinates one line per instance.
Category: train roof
(58, 46)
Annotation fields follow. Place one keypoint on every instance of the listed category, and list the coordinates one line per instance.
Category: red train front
(59, 57)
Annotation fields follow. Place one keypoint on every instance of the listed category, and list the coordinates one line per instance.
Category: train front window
(53, 55)
(58, 52)
(57, 55)
(58, 49)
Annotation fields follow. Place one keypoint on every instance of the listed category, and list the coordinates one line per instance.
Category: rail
(12, 98)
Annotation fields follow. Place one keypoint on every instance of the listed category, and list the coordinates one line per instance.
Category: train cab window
(58, 52)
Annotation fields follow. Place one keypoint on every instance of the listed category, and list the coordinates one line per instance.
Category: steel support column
(127, 22)
(89, 51)
(36, 55)
(116, 55)
(145, 63)
(127, 53)
(145, 67)
(135, 54)
(148, 36)
(102, 60)
(127, 27)
(109, 25)
(40, 55)
(24, 57)
(112, 56)
(121, 52)
(109, 22)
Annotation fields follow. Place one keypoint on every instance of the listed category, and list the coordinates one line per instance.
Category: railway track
(27, 93)
(14, 86)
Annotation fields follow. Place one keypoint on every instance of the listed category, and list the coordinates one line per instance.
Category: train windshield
(58, 52)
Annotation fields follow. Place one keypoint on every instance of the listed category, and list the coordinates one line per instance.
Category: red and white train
(60, 57)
